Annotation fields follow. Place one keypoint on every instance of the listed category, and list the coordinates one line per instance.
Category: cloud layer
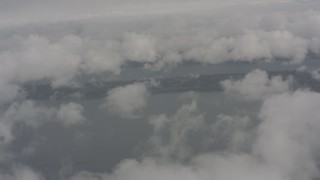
(65, 42)
(127, 101)
(256, 85)
(98, 45)
(284, 148)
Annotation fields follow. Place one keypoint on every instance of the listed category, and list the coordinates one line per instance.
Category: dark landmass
(201, 83)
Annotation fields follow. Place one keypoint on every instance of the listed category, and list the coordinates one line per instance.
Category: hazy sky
(46, 10)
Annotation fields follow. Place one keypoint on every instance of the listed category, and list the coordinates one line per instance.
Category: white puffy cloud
(37, 59)
(139, 47)
(256, 85)
(70, 114)
(127, 101)
(287, 136)
(104, 59)
(254, 45)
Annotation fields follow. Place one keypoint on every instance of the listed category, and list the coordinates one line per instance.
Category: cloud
(313, 72)
(288, 133)
(64, 40)
(37, 58)
(71, 114)
(139, 47)
(22, 173)
(170, 138)
(127, 101)
(231, 133)
(285, 147)
(251, 46)
(8, 91)
(27, 112)
(33, 114)
(256, 85)
(99, 45)
(265, 31)
(316, 74)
